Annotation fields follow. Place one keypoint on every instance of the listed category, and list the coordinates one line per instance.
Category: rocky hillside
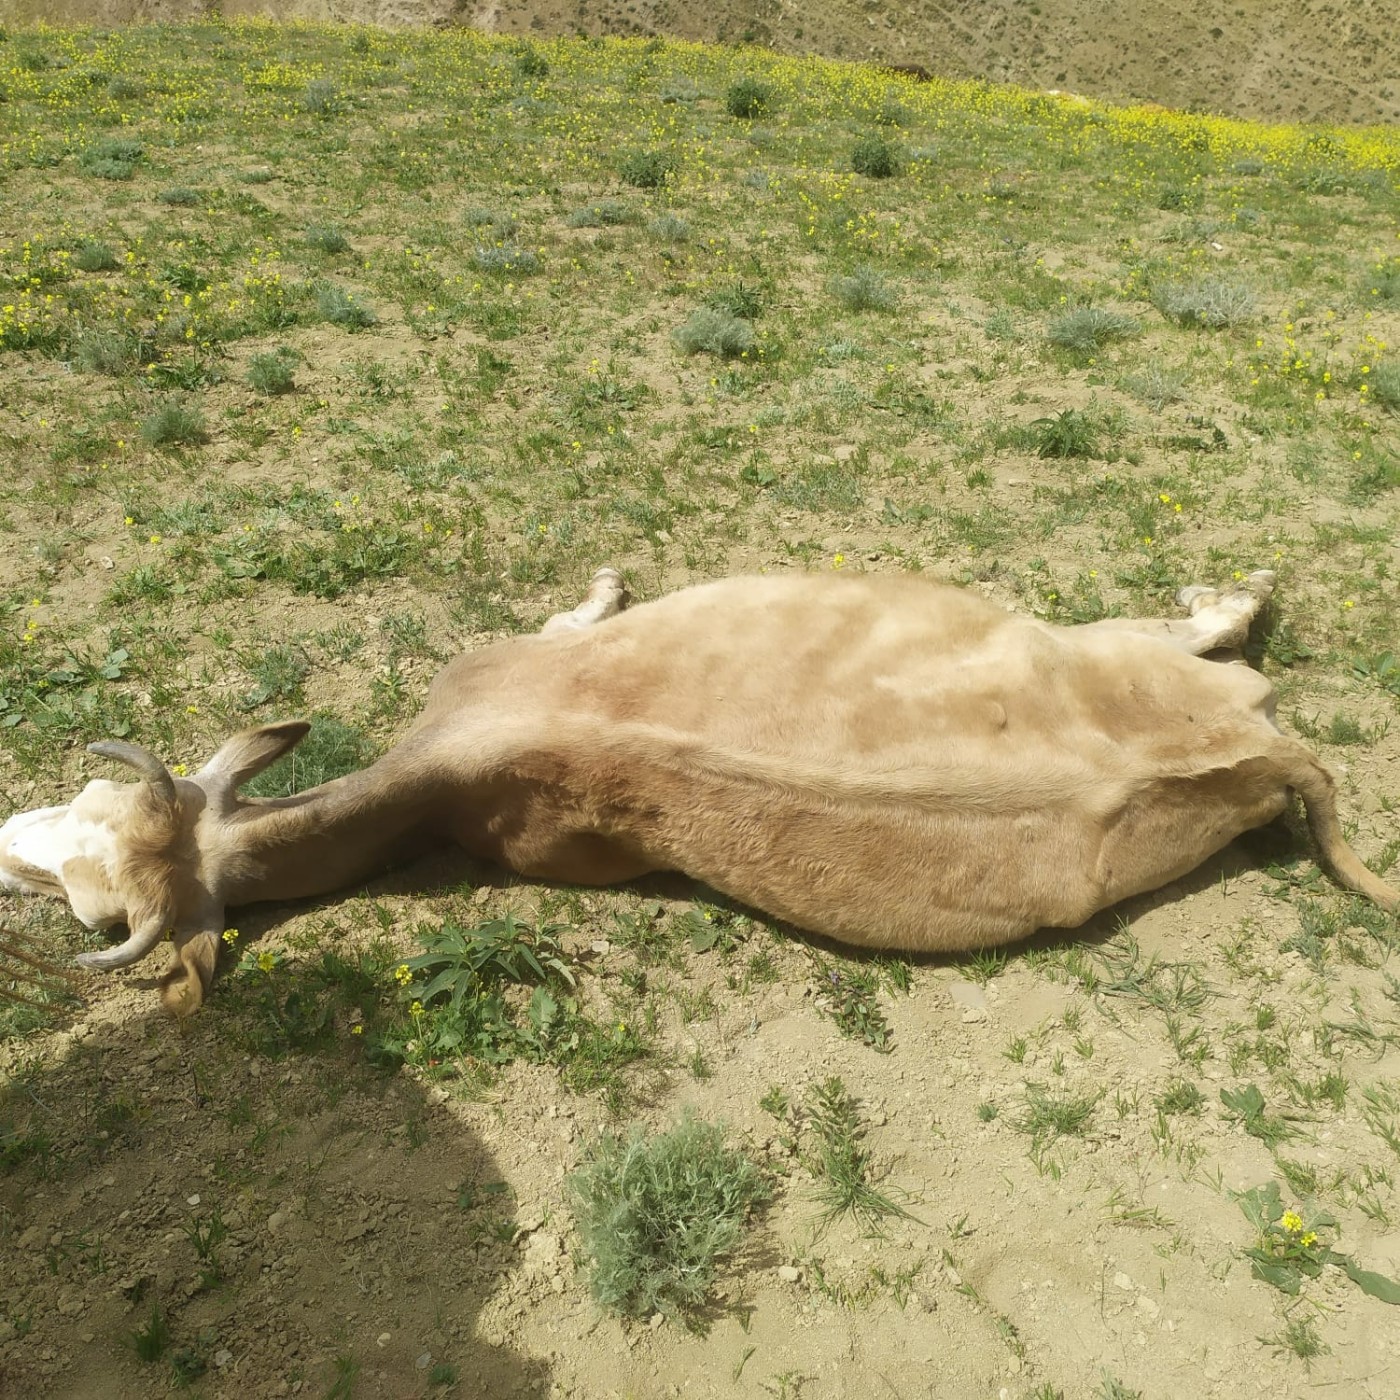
(1319, 60)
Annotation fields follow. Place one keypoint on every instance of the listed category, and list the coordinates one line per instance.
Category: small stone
(655, 1321)
(192, 1200)
(600, 946)
(1123, 1281)
(967, 994)
(276, 1222)
(1148, 1307)
(383, 1339)
(222, 1358)
(789, 1273)
(424, 1361)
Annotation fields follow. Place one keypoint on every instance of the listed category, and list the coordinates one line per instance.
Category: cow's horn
(144, 762)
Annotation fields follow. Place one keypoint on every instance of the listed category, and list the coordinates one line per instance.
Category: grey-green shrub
(173, 424)
(656, 1213)
(271, 372)
(748, 98)
(507, 258)
(600, 214)
(864, 290)
(876, 158)
(715, 332)
(340, 308)
(1090, 328)
(647, 170)
(92, 255)
(326, 238)
(670, 227)
(1211, 301)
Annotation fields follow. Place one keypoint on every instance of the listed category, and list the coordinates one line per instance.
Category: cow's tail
(1315, 785)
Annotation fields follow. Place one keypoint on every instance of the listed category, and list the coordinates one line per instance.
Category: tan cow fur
(890, 762)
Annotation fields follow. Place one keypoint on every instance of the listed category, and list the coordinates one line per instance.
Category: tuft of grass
(1155, 385)
(180, 197)
(864, 289)
(844, 1163)
(1384, 385)
(531, 63)
(715, 332)
(747, 98)
(1089, 328)
(321, 98)
(658, 1212)
(1056, 1113)
(647, 170)
(876, 157)
(173, 423)
(1212, 302)
(670, 228)
(102, 350)
(151, 1341)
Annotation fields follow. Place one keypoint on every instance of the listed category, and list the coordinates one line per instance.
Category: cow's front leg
(1220, 617)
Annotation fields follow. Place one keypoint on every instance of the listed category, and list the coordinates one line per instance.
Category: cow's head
(153, 855)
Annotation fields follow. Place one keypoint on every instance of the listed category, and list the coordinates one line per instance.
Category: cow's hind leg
(1219, 621)
(607, 596)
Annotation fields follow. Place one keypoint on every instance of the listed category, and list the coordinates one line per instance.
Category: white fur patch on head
(45, 840)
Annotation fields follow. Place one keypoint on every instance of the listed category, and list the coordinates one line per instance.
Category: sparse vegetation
(1010, 366)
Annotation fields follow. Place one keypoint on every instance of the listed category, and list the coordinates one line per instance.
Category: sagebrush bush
(341, 308)
(507, 258)
(647, 170)
(656, 1213)
(114, 158)
(715, 332)
(1156, 385)
(173, 424)
(321, 99)
(1384, 383)
(864, 290)
(101, 350)
(1213, 302)
(272, 372)
(531, 63)
(179, 196)
(1090, 328)
(92, 255)
(600, 214)
(748, 98)
(670, 227)
(326, 238)
(876, 158)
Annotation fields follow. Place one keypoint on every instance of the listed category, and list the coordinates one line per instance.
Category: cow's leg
(607, 596)
(1219, 621)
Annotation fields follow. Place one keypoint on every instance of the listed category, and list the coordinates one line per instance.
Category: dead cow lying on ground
(890, 762)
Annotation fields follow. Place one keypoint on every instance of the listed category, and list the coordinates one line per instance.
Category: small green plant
(1299, 1337)
(1181, 1096)
(278, 672)
(123, 88)
(342, 308)
(657, 1212)
(864, 290)
(531, 63)
(180, 197)
(747, 98)
(1087, 329)
(1069, 433)
(326, 238)
(843, 1163)
(173, 423)
(715, 332)
(1156, 385)
(104, 351)
(876, 157)
(151, 1340)
(739, 300)
(1212, 302)
(92, 255)
(1291, 1246)
(1248, 1103)
(850, 998)
(775, 1101)
(647, 170)
(272, 371)
(1384, 385)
